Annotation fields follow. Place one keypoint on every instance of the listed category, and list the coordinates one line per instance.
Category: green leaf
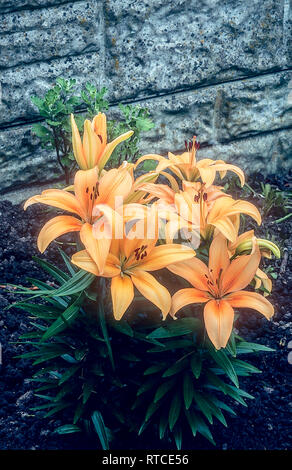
(202, 404)
(123, 327)
(67, 388)
(163, 425)
(174, 411)
(237, 363)
(46, 356)
(77, 283)
(196, 365)
(234, 393)
(65, 319)
(71, 268)
(100, 429)
(40, 311)
(215, 410)
(203, 429)
(190, 415)
(147, 385)
(223, 405)
(105, 334)
(224, 362)
(57, 408)
(143, 427)
(216, 382)
(55, 272)
(188, 390)
(88, 388)
(152, 408)
(241, 392)
(178, 438)
(231, 346)
(97, 370)
(177, 344)
(67, 429)
(78, 413)
(177, 328)
(163, 389)
(128, 356)
(175, 368)
(244, 348)
(154, 369)
(69, 373)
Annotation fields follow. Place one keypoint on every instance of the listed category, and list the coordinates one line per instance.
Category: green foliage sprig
(64, 98)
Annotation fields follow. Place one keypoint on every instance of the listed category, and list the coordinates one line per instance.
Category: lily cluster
(174, 217)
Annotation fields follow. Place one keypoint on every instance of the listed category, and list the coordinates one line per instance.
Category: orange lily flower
(220, 286)
(128, 264)
(94, 149)
(93, 199)
(202, 208)
(186, 167)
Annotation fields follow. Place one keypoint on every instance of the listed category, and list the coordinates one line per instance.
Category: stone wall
(219, 69)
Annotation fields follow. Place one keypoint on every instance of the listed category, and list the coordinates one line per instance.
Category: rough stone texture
(155, 46)
(220, 69)
(18, 5)
(38, 46)
(221, 113)
(22, 161)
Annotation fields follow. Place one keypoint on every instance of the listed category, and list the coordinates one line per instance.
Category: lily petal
(163, 255)
(100, 127)
(152, 290)
(159, 190)
(98, 248)
(240, 272)
(245, 207)
(56, 227)
(83, 260)
(57, 198)
(122, 291)
(111, 147)
(251, 300)
(218, 317)
(85, 188)
(148, 157)
(186, 297)
(223, 167)
(77, 145)
(114, 185)
(218, 256)
(226, 227)
(194, 271)
(91, 144)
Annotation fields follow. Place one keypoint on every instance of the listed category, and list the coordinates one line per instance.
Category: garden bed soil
(264, 424)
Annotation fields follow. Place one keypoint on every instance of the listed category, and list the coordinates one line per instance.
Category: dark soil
(264, 424)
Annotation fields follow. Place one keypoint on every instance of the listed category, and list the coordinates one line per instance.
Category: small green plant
(55, 132)
(133, 118)
(273, 199)
(65, 98)
(94, 99)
